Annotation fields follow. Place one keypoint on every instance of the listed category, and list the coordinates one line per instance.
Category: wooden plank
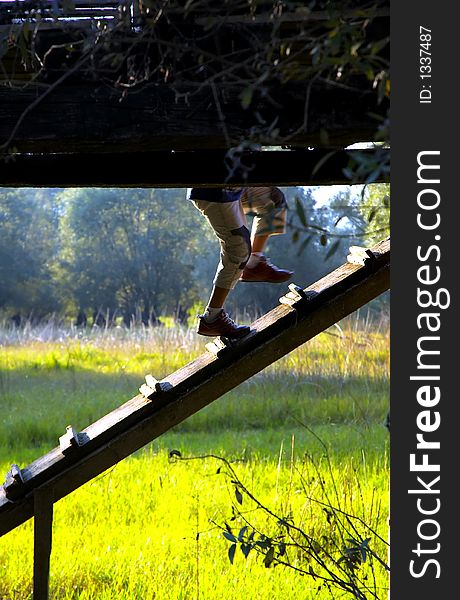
(185, 169)
(83, 13)
(194, 386)
(304, 15)
(43, 533)
(101, 119)
(49, 4)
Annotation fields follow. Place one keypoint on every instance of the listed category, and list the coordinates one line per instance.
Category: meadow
(304, 440)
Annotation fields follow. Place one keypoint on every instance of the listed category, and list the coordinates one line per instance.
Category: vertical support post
(43, 532)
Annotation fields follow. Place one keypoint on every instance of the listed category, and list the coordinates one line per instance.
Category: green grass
(132, 532)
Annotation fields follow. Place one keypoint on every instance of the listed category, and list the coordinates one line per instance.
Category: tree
(350, 216)
(146, 252)
(375, 209)
(28, 250)
(132, 250)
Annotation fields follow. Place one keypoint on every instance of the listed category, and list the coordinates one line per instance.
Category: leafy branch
(343, 558)
(248, 51)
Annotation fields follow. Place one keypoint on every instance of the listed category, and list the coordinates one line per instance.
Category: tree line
(134, 255)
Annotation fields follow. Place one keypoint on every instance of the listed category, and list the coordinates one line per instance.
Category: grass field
(306, 431)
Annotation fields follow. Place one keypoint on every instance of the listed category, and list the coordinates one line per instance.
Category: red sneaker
(265, 271)
(222, 325)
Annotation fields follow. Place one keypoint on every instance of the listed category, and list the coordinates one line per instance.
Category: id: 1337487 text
(425, 65)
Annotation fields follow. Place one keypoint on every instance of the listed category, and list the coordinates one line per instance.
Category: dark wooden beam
(305, 16)
(92, 117)
(197, 384)
(185, 169)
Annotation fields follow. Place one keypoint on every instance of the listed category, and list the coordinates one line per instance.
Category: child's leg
(269, 207)
(229, 224)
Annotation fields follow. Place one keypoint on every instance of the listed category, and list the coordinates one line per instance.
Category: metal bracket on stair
(297, 296)
(153, 386)
(219, 344)
(361, 256)
(72, 440)
(13, 480)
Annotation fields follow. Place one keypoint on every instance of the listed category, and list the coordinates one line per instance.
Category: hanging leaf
(378, 46)
(300, 212)
(317, 227)
(372, 214)
(246, 97)
(323, 134)
(68, 5)
(322, 161)
(3, 46)
(304, 244)
(231, 553)
(355, 48)
(348, 173)
(239, 496)
(373, 176)
(364, 548)
(229, 536)
(269, 557)
(188, 5)
(333, 249)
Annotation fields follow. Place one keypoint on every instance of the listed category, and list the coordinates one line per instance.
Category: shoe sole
(265, 280)
(230, 337)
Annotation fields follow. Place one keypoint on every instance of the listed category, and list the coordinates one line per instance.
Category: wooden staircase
(81, 456)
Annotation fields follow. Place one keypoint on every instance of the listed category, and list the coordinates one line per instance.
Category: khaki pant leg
(269, 207)
(229, 224)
